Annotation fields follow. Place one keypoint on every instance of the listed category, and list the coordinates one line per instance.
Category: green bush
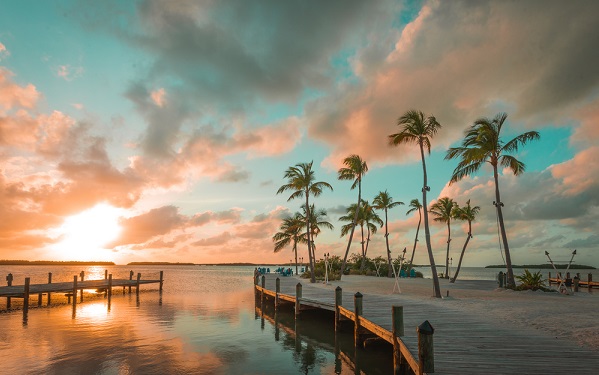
(531, 281)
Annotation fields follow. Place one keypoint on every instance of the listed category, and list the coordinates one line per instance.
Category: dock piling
(358, 311)
(426, 359)
(590, 279)
(277, 291)
(137, 284)
(161, 280)
(298, 296)
(49, 282)
(26, 299)
(109, 291)
(9, 283)
(398, 331)
(130, 278)
(338, 302)
(75, 292)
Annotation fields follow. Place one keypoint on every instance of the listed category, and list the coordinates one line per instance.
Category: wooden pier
(72, 290)
(463, 343)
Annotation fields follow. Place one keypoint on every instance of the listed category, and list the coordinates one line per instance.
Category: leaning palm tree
(467, 213)
(300, 180)
(418, 129)
(443, 211)
(383, 201)
(290, 232)
(370, 219)
(354, 213)
(355, 168)
(415, 205)
(482, 143)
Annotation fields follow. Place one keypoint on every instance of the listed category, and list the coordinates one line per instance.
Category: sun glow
(82, 236)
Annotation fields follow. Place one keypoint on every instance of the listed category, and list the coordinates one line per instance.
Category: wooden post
(358, 311)
(398, 331)
(161, 280)
(82, 274)
(589, 280)
(39, 299)
(298, 296)
(338, 302)
(549, 278)
(130, 278)
(262, 296)
(109, 288)
(137, 284)
(105, 274)
(277, 291)
(26, 298)
(576, 281)
(49, 282)
(75, 292)
(9, 283)
(426, 358)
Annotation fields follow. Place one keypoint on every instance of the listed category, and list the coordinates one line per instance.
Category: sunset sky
(161, 130)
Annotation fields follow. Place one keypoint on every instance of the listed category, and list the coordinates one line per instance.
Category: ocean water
(205, 322)
(481, 273)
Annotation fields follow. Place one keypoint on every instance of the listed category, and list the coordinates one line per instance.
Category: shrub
(531, 281)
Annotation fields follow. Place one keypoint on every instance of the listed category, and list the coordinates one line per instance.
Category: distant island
(159, 264)
(53, 263)
(546, 266)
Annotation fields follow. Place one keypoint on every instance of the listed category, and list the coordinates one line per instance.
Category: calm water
(205, 322)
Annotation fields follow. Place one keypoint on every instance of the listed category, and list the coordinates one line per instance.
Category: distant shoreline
(53, 263)
(546, 266)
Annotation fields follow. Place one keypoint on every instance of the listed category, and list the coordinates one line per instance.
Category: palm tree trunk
(457, 271)
(511, 282)
(436, 287)
(415, 242)
(447, 254)
(389, 273)
(363, 252)
(310, 257)
(295, 251)
(353, 228)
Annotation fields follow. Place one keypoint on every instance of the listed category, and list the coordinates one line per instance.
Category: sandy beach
(565, 317)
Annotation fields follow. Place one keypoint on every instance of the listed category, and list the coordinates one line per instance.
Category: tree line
(482, 143)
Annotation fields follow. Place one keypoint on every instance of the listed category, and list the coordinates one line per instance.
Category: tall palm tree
(384, 201)
(415, 205)
(300, 180)
(354, 213)
(290, 232)
(355, 168)
(370, 219)
(467, 213)
(482, 143)
(317, 221)
(418, 129)
(443, 211)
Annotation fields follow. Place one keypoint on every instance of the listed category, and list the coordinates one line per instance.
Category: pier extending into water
(463, 343)
(73, 290)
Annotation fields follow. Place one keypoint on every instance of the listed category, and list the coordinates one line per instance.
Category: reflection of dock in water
(73, 290)
(464, 343)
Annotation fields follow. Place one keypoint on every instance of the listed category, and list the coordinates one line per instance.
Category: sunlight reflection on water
(203, 323)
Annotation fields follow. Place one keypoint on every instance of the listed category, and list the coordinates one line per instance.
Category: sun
(82, 236)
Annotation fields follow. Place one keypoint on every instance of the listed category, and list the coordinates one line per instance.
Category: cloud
(217, 240)
(13, 95)
(68, 72)
(4, 53)
(158, 97)
(141, 228)
(588, 242)
(456, 61)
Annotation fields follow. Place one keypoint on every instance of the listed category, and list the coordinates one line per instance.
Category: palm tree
(355, 168)
(370, 219)
(443, 211)
(354, 213)
(383, 201)
(416, 129)
(290, 232)
(317, 220)
(482, 143)
(467, 213)
(415, 205)
(300, 180)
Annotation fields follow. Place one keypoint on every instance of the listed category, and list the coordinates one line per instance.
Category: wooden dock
(72, 289)
(463, 343)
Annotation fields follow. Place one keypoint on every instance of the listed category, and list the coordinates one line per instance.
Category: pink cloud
(13, 95)
(68, 72)
(579, 173)
(158, 97)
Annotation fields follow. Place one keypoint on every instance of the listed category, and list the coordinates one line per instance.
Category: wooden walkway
(463, 343)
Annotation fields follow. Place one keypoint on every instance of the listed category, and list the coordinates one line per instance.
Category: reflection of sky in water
(204, 323)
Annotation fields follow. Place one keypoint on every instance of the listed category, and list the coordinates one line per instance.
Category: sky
(161, 130)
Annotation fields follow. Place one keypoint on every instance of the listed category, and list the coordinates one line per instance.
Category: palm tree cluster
(481, 144)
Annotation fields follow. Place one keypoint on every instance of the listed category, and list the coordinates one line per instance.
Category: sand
(572, 317)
